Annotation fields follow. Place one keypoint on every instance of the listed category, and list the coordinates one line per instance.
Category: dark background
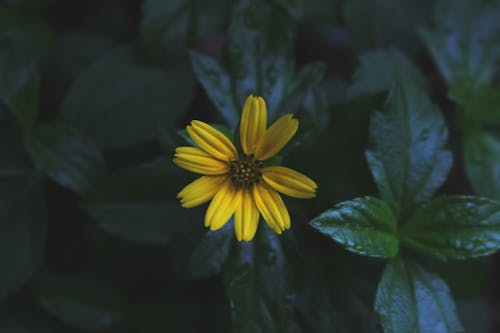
(109, 249)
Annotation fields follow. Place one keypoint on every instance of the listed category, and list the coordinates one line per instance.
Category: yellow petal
(289, 182)
(253, 123)
(212, 141)
(200, 191)
(198, 161)
(246, 218)
(222, 206)
(276, 137)
(272, 208)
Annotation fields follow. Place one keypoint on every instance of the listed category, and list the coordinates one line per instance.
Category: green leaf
(482, 162)
(84, 304)
(177, 25)
(380, 70)
(257, 62)
(119, 103)
(217, 84)
(22, 220)
(365, 226)
(464, 39)
(455, 227)
(412, 300)
(138, 204)
(258, 281)
(407, 155)
(18, 81)
(66, 156)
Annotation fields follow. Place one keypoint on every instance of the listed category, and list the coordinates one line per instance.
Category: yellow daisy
(238, 182)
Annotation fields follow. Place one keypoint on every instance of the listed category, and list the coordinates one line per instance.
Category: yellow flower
(237, 182)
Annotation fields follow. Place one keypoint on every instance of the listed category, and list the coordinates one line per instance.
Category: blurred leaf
(18, 81)
(84, 304)
(464, 41)
(79, 50)
(319, 20)
(66, 156)
(178, 25)
(479, 106)
(31, 29)
(258, 281)
(410, 299)
(22, 220)
(455, 227)
(289, 5)
(380, 70)
(205, 256)
(257, 54)
(28, 321)
(385, 23)
(139, 203)
(482, 162)
(119, 103)
(365, 226)
(407, 153)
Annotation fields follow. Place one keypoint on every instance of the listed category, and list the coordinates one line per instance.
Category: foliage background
(93, 98)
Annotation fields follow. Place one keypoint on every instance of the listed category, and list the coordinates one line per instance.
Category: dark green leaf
(257, 63)
(66, 155)
(407, 153)
(412, 300)
(380, 70)
(455, 227)
(482, 162)
(22, 220)
(177, 25)
(18, 81)
(259, 284)
(464, 40)
(139, 203)
(84, 304)
(364, 226)
(119, 103)
(217, 85)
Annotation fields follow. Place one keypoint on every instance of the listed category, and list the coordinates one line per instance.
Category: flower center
(246, 171)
